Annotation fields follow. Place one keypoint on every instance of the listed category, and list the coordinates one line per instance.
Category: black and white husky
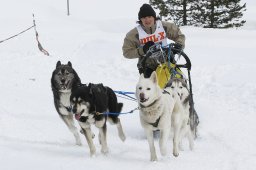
(90, 104)
(64, 80)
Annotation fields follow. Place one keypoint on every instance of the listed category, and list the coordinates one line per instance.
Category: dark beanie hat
(145, 11)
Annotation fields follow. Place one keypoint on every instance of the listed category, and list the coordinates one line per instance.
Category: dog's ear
(184, 82)
(90, 90)
(169, 84)
(58, 64)
(69, 64)
(153, 77)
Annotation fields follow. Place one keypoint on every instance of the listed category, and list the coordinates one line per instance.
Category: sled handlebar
(188, 62)
(173, 48)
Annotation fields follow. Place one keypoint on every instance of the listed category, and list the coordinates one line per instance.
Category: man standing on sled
(150, 30)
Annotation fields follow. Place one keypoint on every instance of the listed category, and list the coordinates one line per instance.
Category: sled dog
(181, 87)
(157, 107)
(64, 80)
(177, 85)
(93, 104)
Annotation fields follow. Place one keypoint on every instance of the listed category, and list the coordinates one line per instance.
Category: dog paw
(153, 159)
(175, 154)
(104, 151)
(79, 143)
(93, 156)
(93, 153)
(122, 137)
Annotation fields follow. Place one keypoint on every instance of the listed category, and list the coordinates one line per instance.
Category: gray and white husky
(177, 85)
(157, 107)
(181, 87)
(64, 80)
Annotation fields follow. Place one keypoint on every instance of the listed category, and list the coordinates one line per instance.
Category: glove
(147, 46)
(177, 48)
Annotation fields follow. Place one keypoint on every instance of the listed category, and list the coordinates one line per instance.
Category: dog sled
(167, 60)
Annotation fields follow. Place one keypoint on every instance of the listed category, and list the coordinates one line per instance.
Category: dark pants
(148, 72)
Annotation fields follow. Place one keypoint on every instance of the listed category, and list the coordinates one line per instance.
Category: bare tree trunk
(68, 6)
(212, 14)
(185, 12)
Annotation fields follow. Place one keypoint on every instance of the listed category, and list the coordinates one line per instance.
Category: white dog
(179, 86)
(156, 110)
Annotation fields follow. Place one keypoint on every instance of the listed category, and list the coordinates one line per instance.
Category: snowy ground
(33, 137)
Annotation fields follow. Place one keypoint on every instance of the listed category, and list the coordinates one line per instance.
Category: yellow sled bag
(164, 74)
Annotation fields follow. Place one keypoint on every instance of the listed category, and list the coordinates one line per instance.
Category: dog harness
(155, 124)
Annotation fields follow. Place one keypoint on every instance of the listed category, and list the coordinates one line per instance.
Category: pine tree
(219, 13)
(205, 13)
(175, 10)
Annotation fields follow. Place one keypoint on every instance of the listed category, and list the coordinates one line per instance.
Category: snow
(32, 136)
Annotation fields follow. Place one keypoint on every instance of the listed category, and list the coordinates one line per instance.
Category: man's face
(148, 21)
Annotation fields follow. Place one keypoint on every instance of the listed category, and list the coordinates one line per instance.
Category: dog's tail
(113, 118)
(119, 107)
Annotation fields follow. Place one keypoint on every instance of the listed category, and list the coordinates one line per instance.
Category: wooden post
(68, 6)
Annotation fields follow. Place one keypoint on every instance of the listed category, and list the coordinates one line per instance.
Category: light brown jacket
(131, 46)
